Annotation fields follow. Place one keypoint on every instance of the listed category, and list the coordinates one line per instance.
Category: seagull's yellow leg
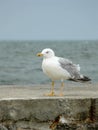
(52, 90)
(61, 89)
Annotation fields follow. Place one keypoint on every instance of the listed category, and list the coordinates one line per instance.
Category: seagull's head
(46, 53)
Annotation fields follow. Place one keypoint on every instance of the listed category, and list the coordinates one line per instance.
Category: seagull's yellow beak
(39, 54)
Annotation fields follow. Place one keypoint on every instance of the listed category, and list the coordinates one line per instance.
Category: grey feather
(73, 69)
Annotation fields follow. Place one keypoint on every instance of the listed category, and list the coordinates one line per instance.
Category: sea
(19, 64)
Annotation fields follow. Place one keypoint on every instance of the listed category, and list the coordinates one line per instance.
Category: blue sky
(48, 19)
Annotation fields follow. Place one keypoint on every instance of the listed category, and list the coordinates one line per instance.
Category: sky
(48, 19)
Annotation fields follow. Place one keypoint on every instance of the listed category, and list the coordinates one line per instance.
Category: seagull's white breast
(52, 69)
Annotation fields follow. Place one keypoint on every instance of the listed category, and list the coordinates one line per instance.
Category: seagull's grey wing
(73, 69)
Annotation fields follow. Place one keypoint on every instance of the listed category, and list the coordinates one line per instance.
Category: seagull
(58, 68)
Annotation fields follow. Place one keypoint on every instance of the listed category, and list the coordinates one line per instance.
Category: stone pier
(26, 107)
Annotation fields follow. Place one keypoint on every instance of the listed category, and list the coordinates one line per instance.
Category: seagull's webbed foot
(61, 94)
(50, 94)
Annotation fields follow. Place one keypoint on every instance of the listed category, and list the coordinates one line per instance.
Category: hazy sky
(48, 19)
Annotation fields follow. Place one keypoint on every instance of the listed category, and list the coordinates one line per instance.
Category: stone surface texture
(26, 107)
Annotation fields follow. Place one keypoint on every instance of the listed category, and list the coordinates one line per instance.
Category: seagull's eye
(47, 52)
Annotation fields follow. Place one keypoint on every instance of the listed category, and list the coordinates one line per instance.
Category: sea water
(19, 64)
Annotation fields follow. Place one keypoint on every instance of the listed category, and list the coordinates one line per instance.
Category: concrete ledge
(25, 106)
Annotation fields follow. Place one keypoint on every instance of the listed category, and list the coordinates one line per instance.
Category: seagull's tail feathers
(82, 79)
(85, 78)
